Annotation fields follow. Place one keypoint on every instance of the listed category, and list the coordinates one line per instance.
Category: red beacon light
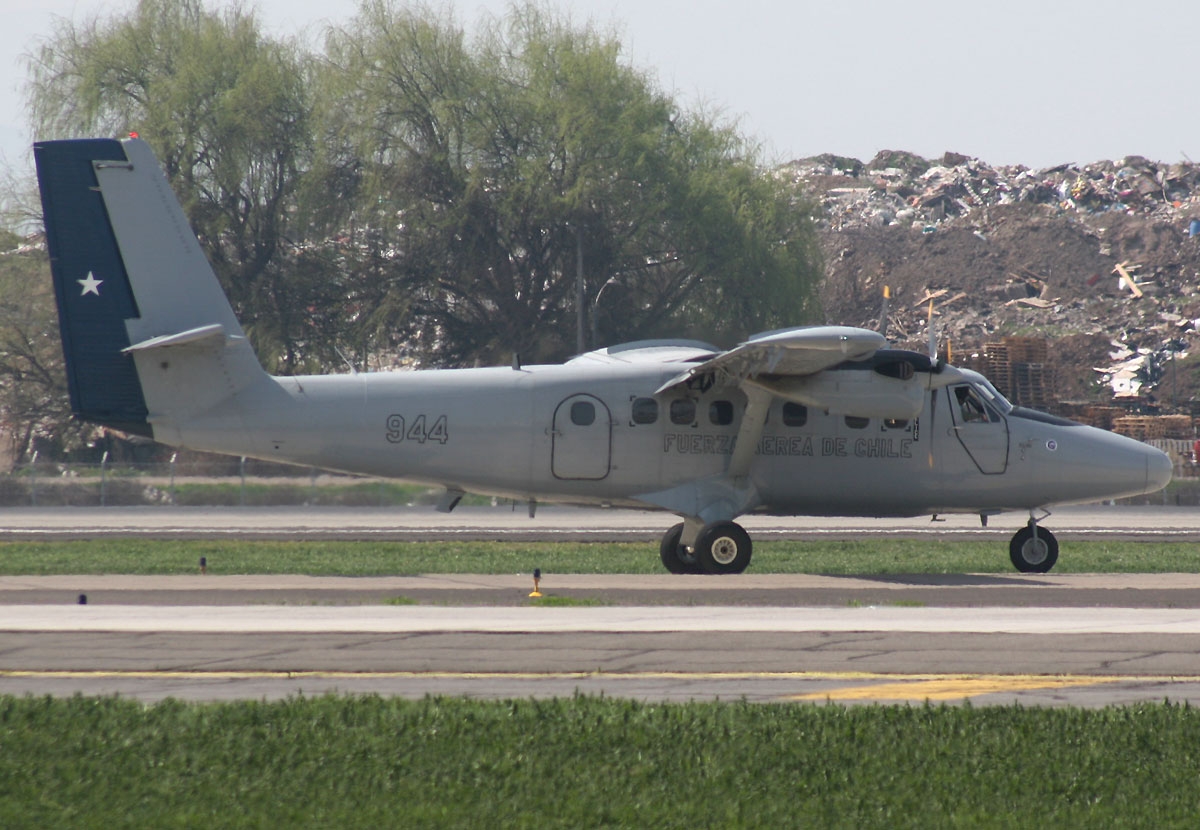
(133, 134)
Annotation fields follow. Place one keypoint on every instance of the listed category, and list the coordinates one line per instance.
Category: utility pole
(580, 347)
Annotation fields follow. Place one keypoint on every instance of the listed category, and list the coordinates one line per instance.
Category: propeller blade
(932, 422)
(883, 312)
(932, 334)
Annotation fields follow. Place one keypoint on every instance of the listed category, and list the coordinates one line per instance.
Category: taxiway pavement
(984, 638)
(1035, 639)
(558, 523)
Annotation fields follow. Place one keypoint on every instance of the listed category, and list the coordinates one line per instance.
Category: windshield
(993, 396)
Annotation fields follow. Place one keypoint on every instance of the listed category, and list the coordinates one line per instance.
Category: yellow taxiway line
(957, 687)
(853, 686)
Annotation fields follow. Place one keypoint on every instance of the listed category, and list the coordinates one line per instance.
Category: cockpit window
(992, 395)
(971, 406)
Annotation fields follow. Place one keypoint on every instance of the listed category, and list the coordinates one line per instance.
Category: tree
(33, 385)
(413, 189)
(477, 174)
(226, 111)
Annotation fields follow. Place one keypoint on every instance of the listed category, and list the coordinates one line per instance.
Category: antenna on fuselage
(346, 360)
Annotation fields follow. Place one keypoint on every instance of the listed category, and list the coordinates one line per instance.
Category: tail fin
(134, 288)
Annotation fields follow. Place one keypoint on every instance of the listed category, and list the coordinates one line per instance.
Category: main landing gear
(720, 548)
(725, 548)
(1033, 549)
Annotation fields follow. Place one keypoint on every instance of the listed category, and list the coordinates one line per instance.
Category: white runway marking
(409, 619)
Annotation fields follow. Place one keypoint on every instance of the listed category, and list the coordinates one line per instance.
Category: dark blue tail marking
(90, 284)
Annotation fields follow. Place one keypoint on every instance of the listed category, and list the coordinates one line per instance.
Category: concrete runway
(988, 639)
(1084, 640)
(558, 523)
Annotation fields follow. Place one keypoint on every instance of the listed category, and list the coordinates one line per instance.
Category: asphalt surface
(1086, 640)
(559, 523)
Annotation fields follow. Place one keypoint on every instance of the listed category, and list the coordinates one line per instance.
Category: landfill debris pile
(901, 188)
(1102, 259)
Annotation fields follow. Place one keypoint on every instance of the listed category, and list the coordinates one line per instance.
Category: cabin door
(981, 430)
(582, 436)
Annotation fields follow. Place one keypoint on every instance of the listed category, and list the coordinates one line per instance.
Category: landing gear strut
(1033, 549)
(720, 548)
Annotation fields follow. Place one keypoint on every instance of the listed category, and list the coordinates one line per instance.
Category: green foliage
(33, 386)
(511, 161)
(368, 558)
(409, 192)
(591, 762)
(226, 111)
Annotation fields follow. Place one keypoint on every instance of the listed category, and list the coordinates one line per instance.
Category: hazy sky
(1036, 82)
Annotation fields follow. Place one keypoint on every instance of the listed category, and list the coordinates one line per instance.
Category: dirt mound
(1010, 251)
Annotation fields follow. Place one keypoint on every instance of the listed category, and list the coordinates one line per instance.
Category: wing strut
(751, 429)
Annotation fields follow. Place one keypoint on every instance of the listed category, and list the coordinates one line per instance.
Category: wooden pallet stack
(1154, 427)
(1019, 367)
(1093, 415)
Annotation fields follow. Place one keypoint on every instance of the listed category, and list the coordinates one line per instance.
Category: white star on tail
(91, 285)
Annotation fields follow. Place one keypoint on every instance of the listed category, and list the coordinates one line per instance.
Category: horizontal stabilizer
(211, 335)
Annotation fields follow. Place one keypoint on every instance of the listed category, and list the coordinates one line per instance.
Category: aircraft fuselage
(513, 433)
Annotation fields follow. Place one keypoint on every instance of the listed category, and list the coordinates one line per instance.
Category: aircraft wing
(793, 352)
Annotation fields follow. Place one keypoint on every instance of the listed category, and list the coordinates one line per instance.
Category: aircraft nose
(1158, 469)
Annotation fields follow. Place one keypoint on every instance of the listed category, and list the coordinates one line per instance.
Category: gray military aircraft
(823, 421)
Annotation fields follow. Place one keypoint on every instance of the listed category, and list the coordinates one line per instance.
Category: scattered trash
(1004, 250)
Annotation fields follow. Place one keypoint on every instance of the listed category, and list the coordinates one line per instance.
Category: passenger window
(645, 410)
(794, 414)
(720, 413)
(855, 422)
(583, 414)
(683, 411)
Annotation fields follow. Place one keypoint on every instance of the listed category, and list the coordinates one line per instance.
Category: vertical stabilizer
(149, 338)
(90, 284)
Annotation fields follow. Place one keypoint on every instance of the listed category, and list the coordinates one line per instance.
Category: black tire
(675, 557)
(1030, 554)
(723, 548)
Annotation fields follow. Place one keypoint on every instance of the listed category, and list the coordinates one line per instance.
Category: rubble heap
(901, 188)
(1102, 259)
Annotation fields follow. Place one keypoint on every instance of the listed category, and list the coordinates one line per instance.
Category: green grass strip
(876, 556)
(591, 762)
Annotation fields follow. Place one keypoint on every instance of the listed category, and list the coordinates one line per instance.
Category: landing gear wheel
(723, 548)
(675, 557)
(1032, 554)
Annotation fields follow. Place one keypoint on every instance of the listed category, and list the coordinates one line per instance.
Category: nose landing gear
(1033, 549)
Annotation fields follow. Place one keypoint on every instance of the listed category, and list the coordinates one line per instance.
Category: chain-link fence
(226, 482)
